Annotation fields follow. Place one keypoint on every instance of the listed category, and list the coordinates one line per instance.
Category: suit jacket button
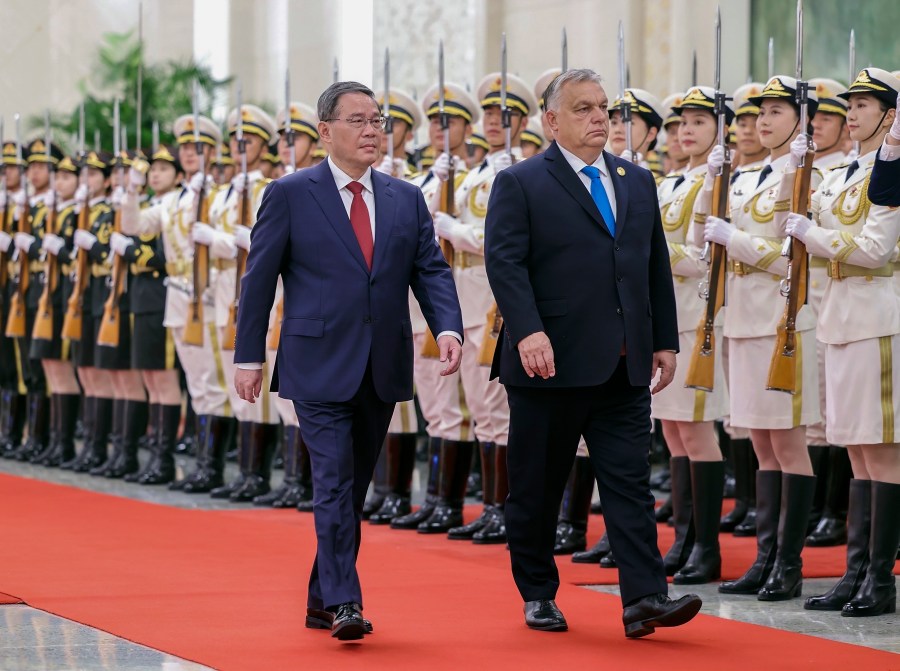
(618, 311)
(617, 247)
(367, 320)
(618, 278)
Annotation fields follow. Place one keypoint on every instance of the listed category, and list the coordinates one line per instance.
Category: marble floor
(32, 640)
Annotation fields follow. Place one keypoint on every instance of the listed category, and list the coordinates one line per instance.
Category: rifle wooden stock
(230, 332)
(783, 367)
(275, 331)
(15, 323)
(193, 328)
(43, 323)
(701, 369)
(430, 349)
(108, 333)
(491, 334)
(73, 321)
(4, 256)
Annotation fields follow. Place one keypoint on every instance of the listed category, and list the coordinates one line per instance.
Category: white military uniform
(173, 218)
(859, 319)
(755, 307)
(678, 205)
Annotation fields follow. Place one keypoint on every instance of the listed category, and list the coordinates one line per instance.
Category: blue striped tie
(601, 199)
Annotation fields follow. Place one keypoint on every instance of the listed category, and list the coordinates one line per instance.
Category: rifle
(230, 332)
(4, 215)
(430, 349)
(72, 322)
(625, 107)
(701, 370)
(783, 367)
(193, 329)
(43, 323)
(108, 333)
(15, 325)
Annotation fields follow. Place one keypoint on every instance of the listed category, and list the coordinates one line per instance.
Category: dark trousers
(545, 425)
(344, 441)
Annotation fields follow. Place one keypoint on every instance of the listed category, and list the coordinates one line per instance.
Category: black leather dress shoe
(323, 619)
(348, 623)
(657, 610)
(543, 615)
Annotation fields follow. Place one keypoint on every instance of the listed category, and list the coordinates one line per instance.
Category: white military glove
(715, 161)
(198, 182)
(501, 162)
(23, 242)
(441, 167)
(798, 150)
(2, 199)
(19, 202)
(895, 128)
(52, 244)
(202, 234)
(136, 179)
(50, 199)
(239, 182)
(796, 226)
(120, 243)
(84, 239)
(629, 156)
(445, 225)
(242, 237)
(718, 230)
(5, 241)
(386, 166)
(117, 197)
(81, 193)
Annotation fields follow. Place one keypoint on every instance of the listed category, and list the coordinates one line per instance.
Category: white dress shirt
(889, 152)
(577, 164)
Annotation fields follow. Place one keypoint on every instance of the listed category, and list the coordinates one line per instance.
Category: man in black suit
(884, 186)
(579, 266)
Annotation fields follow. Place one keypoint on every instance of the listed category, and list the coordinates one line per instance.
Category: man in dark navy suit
(579, 266)
(348, 243)
(884, 185)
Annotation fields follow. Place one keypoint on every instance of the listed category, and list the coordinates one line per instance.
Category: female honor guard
(645, 124)
(688, 414)
(777, 421)
(859, 322)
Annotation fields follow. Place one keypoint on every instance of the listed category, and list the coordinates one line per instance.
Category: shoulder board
(815, 169)
(660, 180)
(753, 169)
(842, 166)
(66, 211)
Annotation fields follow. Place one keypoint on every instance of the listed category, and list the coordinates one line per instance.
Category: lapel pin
(621, 171)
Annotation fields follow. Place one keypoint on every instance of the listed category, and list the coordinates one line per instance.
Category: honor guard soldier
(646, 122)
(12, 391)
(675, 159)
(750, 149)
(407, 117)
(441, 398)
(532, 140)
(859, 323)
(232, 214)
(477, 147)
(47, 343)
(540, 87)
(830, 131)
(304, 125)
(271, 166)
(223, 165)
(777, 421)
(200, 359)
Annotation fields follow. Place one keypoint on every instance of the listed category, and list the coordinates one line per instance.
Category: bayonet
(565, 51)
(198, 142)
(388, 119)
(239, 131)
(154, 139)
(288, 127)
(81, 136)
(771, 57)
(116, 130)
(335, 71)
(442, 113)
(504, 109)
(852, 74)
(97, 140)
(694, 69)
(624, 106)
(138, 138)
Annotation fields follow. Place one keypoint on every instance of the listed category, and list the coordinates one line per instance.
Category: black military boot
(244, 450)
(456, 456)
(5, 415)
(877, 594)
(571, 526)
(380, 485)
(52, 434)
(210, 469)
(488, 485)
(162, 461)
(187, 441)
(665, 511)
(116, 438)
(786, 578)
(743, 474)
(134, 425)
(305, 503)
(705, 561)
(232, 434)
(859, 528)
(594, 554)
(494, 531)
(201, 432)
(747, 526)
(415, 518)
(682, 514)
(819, 458)
(288, 493)
(474, 485)
(150, 441)
(768, 487)
(38, 427)
(95, 450)
(14, 423)
(87, 428)
(832, 526)
(257, 463)
(67, 407)
(401, 462)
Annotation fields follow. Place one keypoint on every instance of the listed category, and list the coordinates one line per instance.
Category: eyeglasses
(378, 123)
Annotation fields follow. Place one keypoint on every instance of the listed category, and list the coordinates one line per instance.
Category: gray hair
(329, 101)
(554, 89)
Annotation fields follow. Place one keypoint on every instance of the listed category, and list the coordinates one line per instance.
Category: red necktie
(362, 225)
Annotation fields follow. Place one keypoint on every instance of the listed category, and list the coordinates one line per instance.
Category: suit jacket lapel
(620, 186)
(385, 210)
(559, 167)
(325, 192)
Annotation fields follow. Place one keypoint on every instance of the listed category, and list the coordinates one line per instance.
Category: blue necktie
(601, 199)
(765, 172)
(850, 170)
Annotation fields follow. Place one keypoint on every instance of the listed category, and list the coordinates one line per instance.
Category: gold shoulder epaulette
(838, 167)
(755, 168)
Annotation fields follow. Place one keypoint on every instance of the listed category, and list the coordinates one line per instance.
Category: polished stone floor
(32, 640)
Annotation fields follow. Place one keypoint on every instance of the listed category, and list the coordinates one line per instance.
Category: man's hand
(664, 361)
(248, 384)
(537, 355)
(451, 353)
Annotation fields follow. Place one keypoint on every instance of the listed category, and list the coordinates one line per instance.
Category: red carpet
(227, 589)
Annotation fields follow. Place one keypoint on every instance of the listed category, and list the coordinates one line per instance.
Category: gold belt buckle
(836, 270)
(739, 268)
